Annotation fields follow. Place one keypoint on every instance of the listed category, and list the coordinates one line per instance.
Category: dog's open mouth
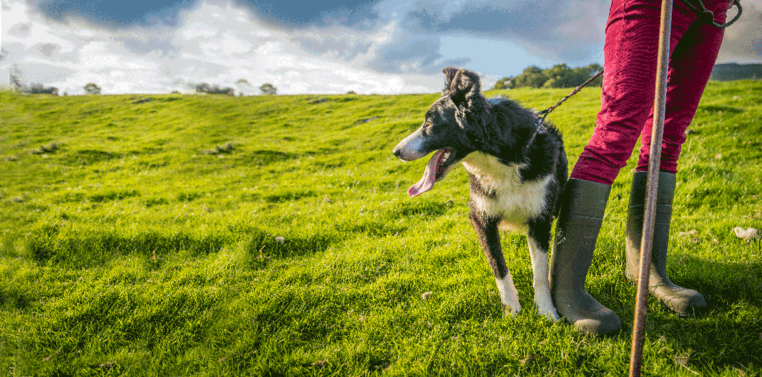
(437, 167)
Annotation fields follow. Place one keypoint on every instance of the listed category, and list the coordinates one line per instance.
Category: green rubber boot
(582, 207)
(681, 300)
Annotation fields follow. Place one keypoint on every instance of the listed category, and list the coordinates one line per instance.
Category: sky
(301, 47)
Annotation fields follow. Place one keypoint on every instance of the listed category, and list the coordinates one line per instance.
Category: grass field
(139, 238)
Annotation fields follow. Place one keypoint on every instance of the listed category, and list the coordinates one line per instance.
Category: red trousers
(630, 52)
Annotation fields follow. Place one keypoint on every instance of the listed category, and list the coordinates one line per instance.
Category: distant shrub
(226, 90)
(245, 88)
(203, 88)
(40, 89)
(560, 76)
(214, 89)
(733, 71)
(92, 89)
(15, 77)
(268, 90)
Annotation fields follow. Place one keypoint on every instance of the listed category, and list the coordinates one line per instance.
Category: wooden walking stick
(654, 163)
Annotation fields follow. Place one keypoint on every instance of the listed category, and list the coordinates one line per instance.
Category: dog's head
(452, 127)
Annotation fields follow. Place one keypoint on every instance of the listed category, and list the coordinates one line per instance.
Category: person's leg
(630, 52)
(691, 64)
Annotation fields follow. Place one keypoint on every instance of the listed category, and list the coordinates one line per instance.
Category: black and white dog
(516, 174)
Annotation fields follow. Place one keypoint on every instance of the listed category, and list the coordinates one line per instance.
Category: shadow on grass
(116, 318)
(72, 246)
(421, 208)
(266, 157)
(371, 228)
(720, 109)
(724, 284)
(96, 197)
(263, 245)
(729, 333)
(49, 245)
(266, 245)
(88, 157)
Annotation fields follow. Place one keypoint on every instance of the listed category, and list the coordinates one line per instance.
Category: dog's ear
(462, 84)
(449, 73)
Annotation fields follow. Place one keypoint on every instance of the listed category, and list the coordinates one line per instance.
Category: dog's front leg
(489, 238)
(538, 239)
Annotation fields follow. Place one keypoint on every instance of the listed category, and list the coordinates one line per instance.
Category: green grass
(140, 239)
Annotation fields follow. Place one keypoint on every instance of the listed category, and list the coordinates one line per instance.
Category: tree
(203, 88)
(590, 71)
(16, 77)
(244, 87)
(209, 89)
(92, 89)
(559, 76)
(39, 89)
(531, 77)
(504, 83)
(268, 89)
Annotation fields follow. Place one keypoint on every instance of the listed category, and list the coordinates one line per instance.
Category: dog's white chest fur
(513, 201)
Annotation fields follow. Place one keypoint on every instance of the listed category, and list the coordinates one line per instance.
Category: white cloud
(217, 44)
(220, 43)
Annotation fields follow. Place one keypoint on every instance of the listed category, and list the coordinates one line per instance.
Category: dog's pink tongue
(429, 176)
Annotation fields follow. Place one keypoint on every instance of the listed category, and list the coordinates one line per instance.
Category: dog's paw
(549, 313)
(545, 307)
(512, 309)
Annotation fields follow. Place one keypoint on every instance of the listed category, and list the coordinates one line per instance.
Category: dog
(516, 169)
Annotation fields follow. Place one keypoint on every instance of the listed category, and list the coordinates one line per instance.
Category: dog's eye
(427, 127)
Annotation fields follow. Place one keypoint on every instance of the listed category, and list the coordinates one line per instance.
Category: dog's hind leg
(489, 238)
(538, 238)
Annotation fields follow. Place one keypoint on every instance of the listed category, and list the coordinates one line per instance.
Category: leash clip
(541, 122)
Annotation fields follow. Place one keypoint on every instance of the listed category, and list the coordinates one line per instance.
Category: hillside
(733, 71)
(138, 237)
